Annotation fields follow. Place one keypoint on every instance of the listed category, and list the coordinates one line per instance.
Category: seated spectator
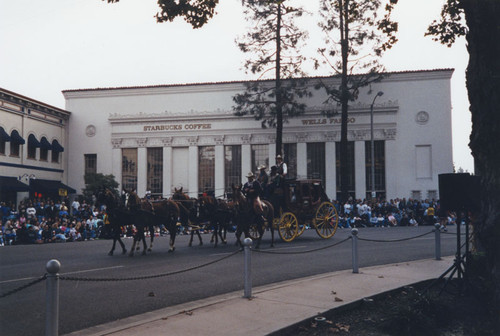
(392, 220)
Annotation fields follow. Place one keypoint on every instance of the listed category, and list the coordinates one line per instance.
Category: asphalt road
(168, 279)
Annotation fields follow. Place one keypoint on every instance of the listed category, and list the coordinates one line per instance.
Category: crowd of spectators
(394, 212)
(46, 221)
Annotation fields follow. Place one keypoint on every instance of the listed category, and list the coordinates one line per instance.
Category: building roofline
(34, 101)
(234, 82)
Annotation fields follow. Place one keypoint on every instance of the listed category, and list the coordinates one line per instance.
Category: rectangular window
(350, 168)
(55, 156)
(290, 158)
(432, 195)
(14, 149)
(155, 170)
(379, 152)
(206, 169)
(2, 146)
(129, 169)
(423, 159)
(232, 166)
(44, 154)
(31, 150)
(316, 161)
(90, 163)
(416, 195)
(260, 156)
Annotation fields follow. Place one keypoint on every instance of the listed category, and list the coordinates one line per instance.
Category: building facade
(157, 138)
(33, 137)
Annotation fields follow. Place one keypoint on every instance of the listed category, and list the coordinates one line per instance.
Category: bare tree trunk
(483, 85)
(344, 40)
(279, 97)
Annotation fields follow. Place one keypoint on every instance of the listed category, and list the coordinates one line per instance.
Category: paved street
(86, 303)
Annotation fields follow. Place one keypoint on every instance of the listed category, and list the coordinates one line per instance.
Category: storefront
(33, 138)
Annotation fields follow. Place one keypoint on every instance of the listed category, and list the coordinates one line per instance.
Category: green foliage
(96, 182)
(355, 40)
(194, 12)
(450, 26)
(273, 45)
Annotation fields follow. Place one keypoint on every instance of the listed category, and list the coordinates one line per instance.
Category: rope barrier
(44, 277)
(149, 276)
(395, 240)
(308, 251)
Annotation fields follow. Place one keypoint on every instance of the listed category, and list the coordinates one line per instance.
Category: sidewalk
(275, 306)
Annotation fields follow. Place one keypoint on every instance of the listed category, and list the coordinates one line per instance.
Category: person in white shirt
(282, 168)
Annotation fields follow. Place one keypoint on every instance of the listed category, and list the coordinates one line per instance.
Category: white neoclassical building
(157, 138)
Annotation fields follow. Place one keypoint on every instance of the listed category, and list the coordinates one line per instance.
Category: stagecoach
(304, 203)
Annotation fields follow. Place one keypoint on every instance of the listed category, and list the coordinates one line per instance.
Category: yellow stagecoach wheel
(288, 227)
(326, 220)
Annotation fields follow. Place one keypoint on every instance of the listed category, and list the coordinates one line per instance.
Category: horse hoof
(144, 253)
(110, 253)
(224, 242)
(150, 249)
(201, 243)
(131, 255)
(189, 245)
(124, 251)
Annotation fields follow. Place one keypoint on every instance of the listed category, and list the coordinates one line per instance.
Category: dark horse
(147, 214)
(246, 217)
(205, 209)
(117, 214)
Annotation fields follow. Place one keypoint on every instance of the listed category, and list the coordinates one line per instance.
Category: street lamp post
(372, 152)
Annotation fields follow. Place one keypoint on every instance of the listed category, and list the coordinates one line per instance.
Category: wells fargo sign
(325, 121)
(177, 127)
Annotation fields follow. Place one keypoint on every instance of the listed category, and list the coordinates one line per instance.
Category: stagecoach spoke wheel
(288, 227)
(326, 220)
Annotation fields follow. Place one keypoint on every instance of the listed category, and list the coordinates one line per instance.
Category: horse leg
(124, 250)
(145, 245)
(132, 249)
(113, 247)
(173, 231)
(191, 238)
(199, 237)
(152, 234)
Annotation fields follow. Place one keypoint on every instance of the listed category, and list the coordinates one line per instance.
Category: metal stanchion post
(247, 242)
(437, 235)
(52, 298)
(354, 233)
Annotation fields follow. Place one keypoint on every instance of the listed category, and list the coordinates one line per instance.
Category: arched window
(56, 149)
(4, 137)
(45, 146)
(33, 144)
(15, 142)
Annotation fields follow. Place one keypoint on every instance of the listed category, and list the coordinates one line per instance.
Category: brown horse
(189, 213)
(246, 217)
(149, 214)
(204, 210)
(118, 217)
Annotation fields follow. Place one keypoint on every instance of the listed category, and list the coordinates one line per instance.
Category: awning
(45, 144)
(4, 135)
(15, 137)
(8, 183)
(50, 187)
(56, 147)
(33, 141)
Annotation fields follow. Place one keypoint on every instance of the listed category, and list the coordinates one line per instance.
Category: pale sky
(54, 45)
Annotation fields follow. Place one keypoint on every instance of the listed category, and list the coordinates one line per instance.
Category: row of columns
(192, 167)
